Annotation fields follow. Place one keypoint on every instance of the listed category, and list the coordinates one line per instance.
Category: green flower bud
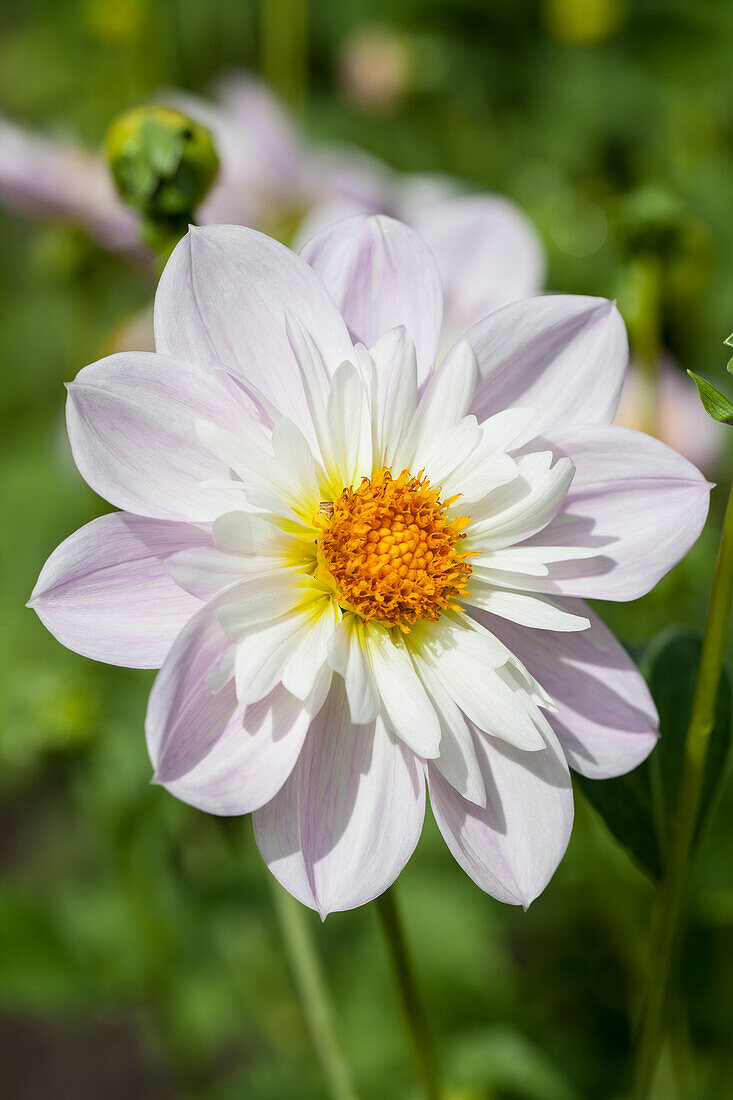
(162, 161)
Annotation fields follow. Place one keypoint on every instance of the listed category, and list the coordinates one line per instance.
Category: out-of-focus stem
(646, 336)
(671, 890)
(284, 47)
(411, 1003)
(311, 986)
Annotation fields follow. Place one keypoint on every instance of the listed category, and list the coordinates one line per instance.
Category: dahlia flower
(362, 575)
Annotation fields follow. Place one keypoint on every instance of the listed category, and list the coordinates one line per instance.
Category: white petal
(487, 251)
(184, 716)
(638, 503)
(204, 570)
(277, 473)
(381, 276)
(606, 720)
(465, 660)
(350, 431)
(289, 649)
(404, 701)
(477, 474)
(251, 760)
(131, 422)
(222, 299)
(439, 455)
(348, 818)
(511, 847)
(348, 655)
(394, 393)
(520, 607)
(106, 592)
(449, 394)
(304, 666)
(255, 536)
(457, 761)
(263, 597)
(564, 355)
(524, 505)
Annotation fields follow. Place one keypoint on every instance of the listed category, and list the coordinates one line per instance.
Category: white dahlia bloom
(362, 576)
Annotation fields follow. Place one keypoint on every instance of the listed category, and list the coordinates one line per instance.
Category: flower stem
(671, 890)
(313, 994)
(284, 56)
(411, 1003)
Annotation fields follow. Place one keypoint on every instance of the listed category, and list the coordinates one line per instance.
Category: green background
(139, 951)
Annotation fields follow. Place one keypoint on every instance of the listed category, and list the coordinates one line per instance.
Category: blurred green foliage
(612, 125)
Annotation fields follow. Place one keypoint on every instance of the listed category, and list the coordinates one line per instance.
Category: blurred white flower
(49, 179)
(673, 414)
(487, 252)
(374, 67)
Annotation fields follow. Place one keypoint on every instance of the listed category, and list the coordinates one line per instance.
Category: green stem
(161, 235)
(411, 1003)
(671, 890)
(311, 987)
(284, 47)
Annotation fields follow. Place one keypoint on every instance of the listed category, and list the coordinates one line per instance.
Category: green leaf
(500, 1061)
(672, 676)
(625, 804)
(714, 402)
(638, 808)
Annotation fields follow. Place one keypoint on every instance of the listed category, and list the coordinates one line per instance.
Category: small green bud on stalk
(163, 164)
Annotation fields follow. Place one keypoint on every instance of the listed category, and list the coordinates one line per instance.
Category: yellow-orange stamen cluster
(390, 550)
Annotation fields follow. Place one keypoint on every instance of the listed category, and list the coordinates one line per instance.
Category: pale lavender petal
(329, 212)
(606, 720)
(382, 276)
(511, 847)
(263, 162)
(564, 355)
(222, 298)
(131, 421)
(634, 499)
(47, 179)
(185, 717)
(251, 760)
(348, 181)
(348, 819)
(488, 253)
(105, 592)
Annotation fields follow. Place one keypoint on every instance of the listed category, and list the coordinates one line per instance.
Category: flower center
(390, 551)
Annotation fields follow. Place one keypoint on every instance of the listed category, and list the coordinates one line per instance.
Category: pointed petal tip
(479, 799)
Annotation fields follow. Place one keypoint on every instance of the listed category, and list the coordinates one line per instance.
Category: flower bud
(162, 161)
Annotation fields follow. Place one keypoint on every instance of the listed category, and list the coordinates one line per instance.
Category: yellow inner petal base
(389, 550)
